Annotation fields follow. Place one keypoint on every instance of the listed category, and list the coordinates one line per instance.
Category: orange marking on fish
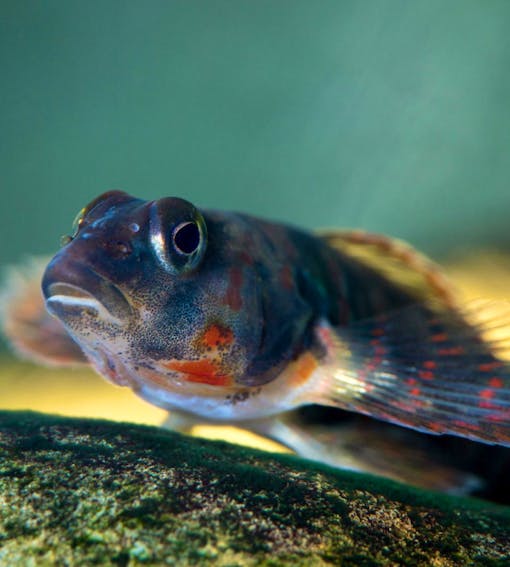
(429, 364)
(496, 382)
(488, 366)
(439, 338)
(415, 392)
(434, 426)
(487, 394)
(217, 335)
(498, 417)
(246, 258)
(487, 404)
(286, 277)
(304, 367)
(200, 371)
(377, 332)
(453, 351)
(426, 375)
(233, 295)
(210, 380)
(465, 424)
(327, 338)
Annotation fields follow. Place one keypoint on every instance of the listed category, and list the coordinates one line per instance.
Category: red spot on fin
(496, 382)
(438, 383)
(452, 351)
(426, 375)
(487, 367)
(439, 338)
(487, 394)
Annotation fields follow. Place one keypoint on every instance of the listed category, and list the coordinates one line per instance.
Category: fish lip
(68, 290)
(65, 299)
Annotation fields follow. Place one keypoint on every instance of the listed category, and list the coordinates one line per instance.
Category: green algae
(79, 491)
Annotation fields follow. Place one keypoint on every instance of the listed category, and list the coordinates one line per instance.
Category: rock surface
(85, 492)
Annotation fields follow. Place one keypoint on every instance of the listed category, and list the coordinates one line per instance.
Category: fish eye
(186, 238)
(177, 235)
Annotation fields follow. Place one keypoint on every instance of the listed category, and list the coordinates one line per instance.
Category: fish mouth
(68, 290)
(66, 300)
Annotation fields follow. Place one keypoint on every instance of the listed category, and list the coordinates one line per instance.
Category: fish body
(218, 324)
(223, 317)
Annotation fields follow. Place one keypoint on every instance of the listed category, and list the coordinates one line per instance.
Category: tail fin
(28, 327)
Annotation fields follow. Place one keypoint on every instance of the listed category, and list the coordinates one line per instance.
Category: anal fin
(367, 446)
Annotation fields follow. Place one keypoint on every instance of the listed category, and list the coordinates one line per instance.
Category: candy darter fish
(225, 318)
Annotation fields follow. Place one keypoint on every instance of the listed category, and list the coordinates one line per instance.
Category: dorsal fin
(397, 261)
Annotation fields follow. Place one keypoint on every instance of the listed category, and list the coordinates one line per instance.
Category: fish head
(142, 293)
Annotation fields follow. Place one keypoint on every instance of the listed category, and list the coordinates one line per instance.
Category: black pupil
(187, 238)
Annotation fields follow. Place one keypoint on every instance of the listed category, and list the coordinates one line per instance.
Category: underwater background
(390, 116)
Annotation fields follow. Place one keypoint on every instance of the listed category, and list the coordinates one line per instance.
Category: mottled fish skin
(223, 317)
(236, 320)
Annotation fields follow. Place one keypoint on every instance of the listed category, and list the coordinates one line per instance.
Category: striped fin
(429, 371)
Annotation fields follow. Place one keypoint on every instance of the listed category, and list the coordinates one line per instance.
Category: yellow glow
(485, 276)
(79, 392)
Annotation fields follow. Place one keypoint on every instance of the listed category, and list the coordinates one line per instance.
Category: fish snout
(72, 288)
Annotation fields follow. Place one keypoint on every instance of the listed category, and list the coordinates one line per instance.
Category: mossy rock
(87, 492)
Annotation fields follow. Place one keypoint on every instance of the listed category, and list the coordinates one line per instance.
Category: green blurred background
(389, 115)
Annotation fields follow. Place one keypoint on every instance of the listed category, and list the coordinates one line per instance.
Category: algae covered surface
(91, 492)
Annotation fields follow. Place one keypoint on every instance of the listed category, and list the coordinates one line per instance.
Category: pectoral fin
(428, 370)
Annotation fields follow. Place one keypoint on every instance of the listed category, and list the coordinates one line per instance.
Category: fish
(348, 347)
